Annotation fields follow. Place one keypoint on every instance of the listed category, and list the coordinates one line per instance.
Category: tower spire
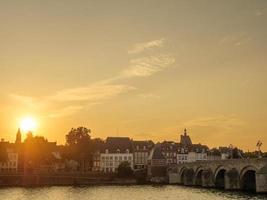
(18, 137)
(185, 132)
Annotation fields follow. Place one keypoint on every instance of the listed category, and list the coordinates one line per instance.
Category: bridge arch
(219, 176)
(182, 175)
(198, 176)
(187, 176)
(248, 178)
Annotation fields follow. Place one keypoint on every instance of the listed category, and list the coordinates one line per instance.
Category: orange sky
(143, 69)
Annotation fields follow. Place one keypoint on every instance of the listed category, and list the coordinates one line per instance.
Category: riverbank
(66, 179)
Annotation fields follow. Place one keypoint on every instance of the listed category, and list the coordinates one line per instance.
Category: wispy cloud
(149, 96)
(30, 102)
(224, 122)
(65, 111)
(258, 13)
(147, 66)
(95, 92)
(140, 47)
(235, 39)
(71, 100)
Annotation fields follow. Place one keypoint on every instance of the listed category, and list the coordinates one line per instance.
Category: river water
(121, 193)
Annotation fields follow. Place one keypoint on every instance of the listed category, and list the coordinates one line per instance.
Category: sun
(28, 124)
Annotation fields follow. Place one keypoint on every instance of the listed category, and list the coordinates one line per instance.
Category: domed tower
(18, 137)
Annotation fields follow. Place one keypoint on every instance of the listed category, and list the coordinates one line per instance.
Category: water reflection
(122, 192)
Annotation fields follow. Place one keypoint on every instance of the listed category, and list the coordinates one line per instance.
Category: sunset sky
(143, 69)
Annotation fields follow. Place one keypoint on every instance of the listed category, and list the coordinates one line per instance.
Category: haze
(143, 69)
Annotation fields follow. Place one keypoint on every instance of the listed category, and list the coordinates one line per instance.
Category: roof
(169, 146)
(198, 148)
(156, 153)
(118, 143)
(139, 145)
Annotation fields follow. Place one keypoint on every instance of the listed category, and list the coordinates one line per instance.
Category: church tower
(185, 139)
(18, 137)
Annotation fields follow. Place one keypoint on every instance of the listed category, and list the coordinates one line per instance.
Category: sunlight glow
(28, 124)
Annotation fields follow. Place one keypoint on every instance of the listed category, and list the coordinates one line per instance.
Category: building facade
(141, 150)
(169, 151)
(116, 151)
(10, 164)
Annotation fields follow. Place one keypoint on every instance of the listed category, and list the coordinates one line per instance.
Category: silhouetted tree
(125, 170)
(37, 151)
(78, 135)
(236, 153)
(79, 146)
(97, 144)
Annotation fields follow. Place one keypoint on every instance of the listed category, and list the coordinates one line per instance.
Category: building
(169, 151)
(182, 154)
(141, 150)
(197, 152)
(185, 139)
(96, 161)
(157, 165)
(214, 154)
(9, 157)
(116, 151)
(189, 152)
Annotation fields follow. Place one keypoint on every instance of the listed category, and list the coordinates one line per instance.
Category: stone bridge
(234, 174)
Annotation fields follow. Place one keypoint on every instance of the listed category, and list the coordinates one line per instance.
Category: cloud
(147, 66)
(149, 96)
(71, 100)
(30, 102)
(140, 47)
(258, 13)
(221, 122)
(235, 39)
(95, 92)
(64, 111)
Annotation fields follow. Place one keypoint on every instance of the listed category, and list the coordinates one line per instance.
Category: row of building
(115, 150)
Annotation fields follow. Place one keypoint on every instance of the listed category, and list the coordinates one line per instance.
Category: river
(122, 193)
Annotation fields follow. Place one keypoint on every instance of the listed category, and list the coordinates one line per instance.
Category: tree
(236, 153)
(125, 170)
(37, 151)
(78, 135)
(79, 146)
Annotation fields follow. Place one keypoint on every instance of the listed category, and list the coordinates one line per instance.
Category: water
(121, 193)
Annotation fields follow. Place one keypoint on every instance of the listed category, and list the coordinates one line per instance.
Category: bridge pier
(207, 178)
(174, 178)
(261, 180)
(238, 174)
(231, 179)
(188, 177)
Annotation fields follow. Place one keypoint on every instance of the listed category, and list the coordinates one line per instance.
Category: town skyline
(23, 137)
(143, 70)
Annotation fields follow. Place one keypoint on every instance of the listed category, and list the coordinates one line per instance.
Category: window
(106, 150)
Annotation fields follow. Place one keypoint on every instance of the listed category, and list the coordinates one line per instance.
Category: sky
(145, 69)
